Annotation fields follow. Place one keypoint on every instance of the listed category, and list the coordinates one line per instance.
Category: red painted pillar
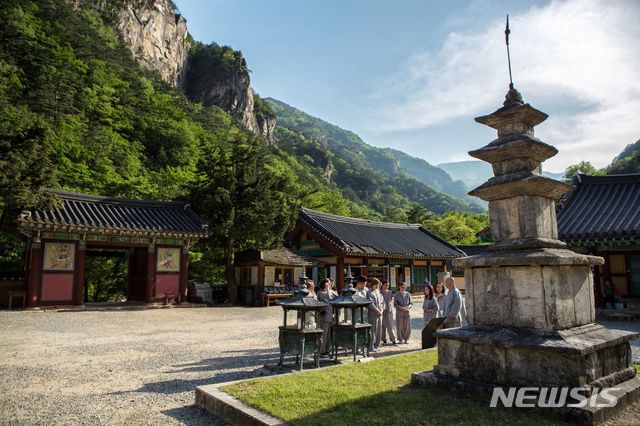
(184, 274)
(131, 274)
(340, 273)
(78, 289)
(35, 274)
(151, 274)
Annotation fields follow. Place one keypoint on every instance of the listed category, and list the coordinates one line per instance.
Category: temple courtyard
(139, 366)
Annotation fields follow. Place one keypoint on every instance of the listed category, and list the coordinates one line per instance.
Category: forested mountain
(628, 161)
(374, 176)
(431, 175)
(471, 172)
(115, 98)
(474, 173)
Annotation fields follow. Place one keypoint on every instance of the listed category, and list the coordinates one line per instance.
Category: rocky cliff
(158, 38)
(155, 32)
(218, 75)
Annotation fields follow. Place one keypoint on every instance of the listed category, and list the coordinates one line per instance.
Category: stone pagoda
(529, 300)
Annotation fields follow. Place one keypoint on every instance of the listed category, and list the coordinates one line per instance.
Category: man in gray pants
(387, 314)
(454, 307)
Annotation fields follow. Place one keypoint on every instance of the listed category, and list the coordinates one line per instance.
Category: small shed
(272, 271)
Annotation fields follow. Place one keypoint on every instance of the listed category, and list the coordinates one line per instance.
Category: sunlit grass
(377, 392)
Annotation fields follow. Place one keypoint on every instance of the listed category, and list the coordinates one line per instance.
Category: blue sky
(412, 75)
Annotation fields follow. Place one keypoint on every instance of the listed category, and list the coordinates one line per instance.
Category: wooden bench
(12, 285)
(16, 293)
(268, 297)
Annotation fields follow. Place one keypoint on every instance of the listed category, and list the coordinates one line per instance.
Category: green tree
(25, 167)
(247, 199)
(583, 167)
(626, 165)
(458, 227)
(419, 214)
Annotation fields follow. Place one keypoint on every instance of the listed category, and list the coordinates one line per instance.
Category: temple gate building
(156, 236)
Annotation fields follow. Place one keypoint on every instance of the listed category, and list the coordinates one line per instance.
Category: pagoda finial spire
(507, 31)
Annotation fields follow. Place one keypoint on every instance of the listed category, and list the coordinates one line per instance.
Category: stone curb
(115, 307)
(215, 401)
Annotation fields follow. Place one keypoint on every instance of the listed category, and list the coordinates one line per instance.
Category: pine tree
(245, 198)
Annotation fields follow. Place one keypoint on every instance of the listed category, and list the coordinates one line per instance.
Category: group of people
(443, 302)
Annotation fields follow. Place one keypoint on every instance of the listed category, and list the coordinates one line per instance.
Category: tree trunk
(229, 273)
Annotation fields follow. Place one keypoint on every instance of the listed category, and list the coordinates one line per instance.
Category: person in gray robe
(387, 314)
(403, 302)
(430, 308)
(326, 317)
(454, 306)
(375, 312)
(440, 295)
(362, 291)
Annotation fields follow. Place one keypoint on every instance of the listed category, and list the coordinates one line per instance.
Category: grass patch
(637, 366)
(373, 393)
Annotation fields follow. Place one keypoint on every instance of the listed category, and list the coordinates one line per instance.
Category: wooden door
(634, 275)
(618, 273)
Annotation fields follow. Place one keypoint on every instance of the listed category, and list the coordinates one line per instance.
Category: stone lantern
(530, 302)
(350, 330)
(300, 333)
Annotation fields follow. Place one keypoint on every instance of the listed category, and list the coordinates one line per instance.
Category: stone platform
(589, 355)
(478, 359)
(627, 393)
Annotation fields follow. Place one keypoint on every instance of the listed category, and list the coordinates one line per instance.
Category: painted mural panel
(168, 259)
(59, 256)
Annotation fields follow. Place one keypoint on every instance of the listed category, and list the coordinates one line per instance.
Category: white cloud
(577, 60)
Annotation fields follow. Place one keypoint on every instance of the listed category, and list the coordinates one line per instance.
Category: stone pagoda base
(480, 358)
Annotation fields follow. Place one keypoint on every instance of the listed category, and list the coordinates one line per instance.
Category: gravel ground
(132, 366)
(138, 366)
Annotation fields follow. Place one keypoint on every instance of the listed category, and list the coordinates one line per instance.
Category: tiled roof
(601, 207)
(369, 238)
(279, 256)
(91, 213)
(473, 250)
